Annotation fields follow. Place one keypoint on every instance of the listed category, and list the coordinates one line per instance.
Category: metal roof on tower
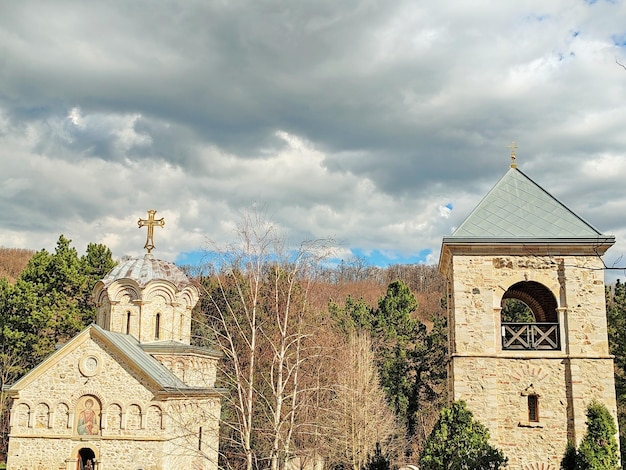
(518, 208)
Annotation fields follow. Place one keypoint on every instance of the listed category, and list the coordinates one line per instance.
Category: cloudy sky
(380, 124)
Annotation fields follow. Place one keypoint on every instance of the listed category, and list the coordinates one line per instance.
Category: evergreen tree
(355, 315)
(51, 299)
(598, 449)
(616, 322)
(570, 458)
(398, 342)
(49, 302)
(516, 311)
(411, 361)
(459, 442)
(378, 461)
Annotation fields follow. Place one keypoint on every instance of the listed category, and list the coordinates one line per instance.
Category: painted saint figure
(88, 422)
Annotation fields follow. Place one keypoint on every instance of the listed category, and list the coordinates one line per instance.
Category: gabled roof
(129, 349)
(518, 208)
(129, 346)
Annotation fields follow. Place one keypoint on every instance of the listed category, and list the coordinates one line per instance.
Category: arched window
(133, 418)
(537, 298)
(114, 418)
(157, 326)
(86, 458)
(529, 317)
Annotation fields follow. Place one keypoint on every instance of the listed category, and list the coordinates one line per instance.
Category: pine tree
(459, 442)
(598, 449)
(616, 320)
(51, 299)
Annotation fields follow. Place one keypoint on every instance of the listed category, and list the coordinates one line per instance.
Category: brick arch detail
(538, 297)
(529, 373)
(539, 466)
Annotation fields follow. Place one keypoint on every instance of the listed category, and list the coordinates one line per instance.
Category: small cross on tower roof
(513, 147)
(150, 222)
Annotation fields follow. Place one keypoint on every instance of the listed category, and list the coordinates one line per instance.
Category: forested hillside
(13, 261)
(343, 364)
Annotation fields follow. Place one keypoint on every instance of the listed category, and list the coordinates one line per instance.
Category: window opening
(127, 323)
(533, 408)
(157, 325)
(86, 459)
(529, 318)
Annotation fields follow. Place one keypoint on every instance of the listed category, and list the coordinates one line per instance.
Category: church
(129, 392)
(528, 380)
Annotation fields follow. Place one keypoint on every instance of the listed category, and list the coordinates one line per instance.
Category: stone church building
(129, 392)
(529, 380)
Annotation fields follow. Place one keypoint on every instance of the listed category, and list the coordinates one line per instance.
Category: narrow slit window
(127, 323)
(157, 326)
(533, 408)
(200, 438)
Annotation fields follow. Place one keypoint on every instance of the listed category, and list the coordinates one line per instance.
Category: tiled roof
(517, 207)
(146, 269)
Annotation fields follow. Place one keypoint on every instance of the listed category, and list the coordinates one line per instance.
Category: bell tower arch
(527, 320)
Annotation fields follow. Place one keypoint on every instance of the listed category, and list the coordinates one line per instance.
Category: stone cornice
(531, 355)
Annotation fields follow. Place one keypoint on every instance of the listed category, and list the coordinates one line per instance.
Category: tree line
(344, 365)
(314, 371)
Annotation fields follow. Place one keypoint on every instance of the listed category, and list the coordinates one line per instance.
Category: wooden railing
(530, 336)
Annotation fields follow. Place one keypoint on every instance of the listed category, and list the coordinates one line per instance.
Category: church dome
(146, 269)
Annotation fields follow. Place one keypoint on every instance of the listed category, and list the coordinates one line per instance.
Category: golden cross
(513, 147)
(150, 223)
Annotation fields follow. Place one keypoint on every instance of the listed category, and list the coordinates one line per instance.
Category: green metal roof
(131, 348)
(518, 208)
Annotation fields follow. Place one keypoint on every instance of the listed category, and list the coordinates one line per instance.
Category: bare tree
(256, 304)
(360, 416)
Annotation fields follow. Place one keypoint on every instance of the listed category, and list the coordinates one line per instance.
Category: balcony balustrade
(530, 336)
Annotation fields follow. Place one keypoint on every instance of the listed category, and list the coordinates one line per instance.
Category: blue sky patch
(619, 39)
(377, 258)
(382, 259)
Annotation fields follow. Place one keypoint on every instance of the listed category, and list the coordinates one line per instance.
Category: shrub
(459, 442)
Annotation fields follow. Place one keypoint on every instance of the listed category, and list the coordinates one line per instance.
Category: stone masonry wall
(193, 369)
(134, 427)
(496, 383)
(173, 307)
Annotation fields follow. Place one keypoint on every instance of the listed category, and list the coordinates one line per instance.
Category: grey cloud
(419, 101)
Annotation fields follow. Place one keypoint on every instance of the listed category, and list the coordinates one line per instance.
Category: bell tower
(527, 320)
